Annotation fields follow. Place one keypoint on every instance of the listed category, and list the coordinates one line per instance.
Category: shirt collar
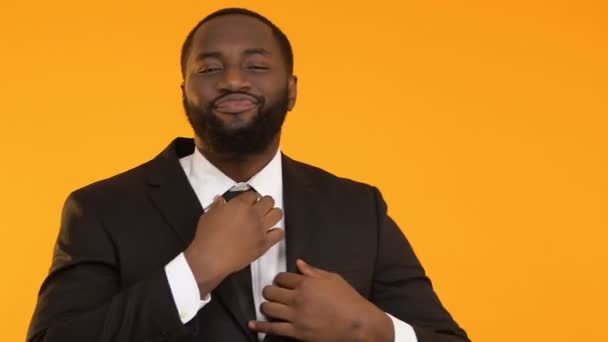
(208, 181)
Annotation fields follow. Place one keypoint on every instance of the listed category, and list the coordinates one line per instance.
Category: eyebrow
(247, 52)
(257, 51)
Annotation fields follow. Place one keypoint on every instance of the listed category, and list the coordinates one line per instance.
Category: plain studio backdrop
(483, 123)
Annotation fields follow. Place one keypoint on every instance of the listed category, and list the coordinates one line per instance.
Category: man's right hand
(230, 236)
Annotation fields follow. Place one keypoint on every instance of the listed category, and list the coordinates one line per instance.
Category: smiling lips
(235, 103)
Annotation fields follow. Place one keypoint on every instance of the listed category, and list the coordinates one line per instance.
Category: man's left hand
(320, 306)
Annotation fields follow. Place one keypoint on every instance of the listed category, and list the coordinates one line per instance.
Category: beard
(247, 139)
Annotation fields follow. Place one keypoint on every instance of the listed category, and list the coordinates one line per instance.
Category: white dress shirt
(207, 182)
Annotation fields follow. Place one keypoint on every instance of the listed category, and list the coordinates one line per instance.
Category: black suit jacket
(107, 280)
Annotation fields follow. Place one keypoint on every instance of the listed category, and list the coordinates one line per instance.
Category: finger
(217, 200)
(288, 280)
(274, 328)
(277, 294)
(250, 197)
(310, 270)
(277, 311)
(273, 236)
(272, 217)
(264, 205)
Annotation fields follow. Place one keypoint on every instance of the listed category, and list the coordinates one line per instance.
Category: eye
(209, 69)
(257, 67)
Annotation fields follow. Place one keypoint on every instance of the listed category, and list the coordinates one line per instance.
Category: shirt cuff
(403, 331)
(184, 289)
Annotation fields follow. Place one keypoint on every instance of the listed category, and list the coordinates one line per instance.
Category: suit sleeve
(82, 298)
(402, 289)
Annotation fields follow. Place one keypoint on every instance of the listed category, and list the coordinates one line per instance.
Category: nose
(233, 79)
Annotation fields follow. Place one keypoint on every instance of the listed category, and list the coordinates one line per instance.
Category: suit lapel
(174, 197)
(171, 192)
(301, 207)
(302, 218)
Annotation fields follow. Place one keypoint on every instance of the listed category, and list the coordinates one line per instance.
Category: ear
(292, 90)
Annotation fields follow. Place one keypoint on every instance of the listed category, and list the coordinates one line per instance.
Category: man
(215, 239)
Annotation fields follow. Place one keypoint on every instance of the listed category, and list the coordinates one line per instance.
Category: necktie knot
(237, 190)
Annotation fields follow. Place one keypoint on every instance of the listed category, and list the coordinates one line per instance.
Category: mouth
(235, 104)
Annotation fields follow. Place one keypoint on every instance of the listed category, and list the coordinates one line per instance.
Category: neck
(240, 168)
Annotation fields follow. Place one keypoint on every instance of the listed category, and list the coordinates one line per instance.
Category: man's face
(237, 89)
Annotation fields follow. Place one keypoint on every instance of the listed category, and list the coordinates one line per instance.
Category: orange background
(483, 123)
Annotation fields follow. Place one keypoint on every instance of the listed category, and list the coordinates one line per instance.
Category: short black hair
(284, 43)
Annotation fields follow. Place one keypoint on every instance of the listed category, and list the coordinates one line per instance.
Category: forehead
(233, 33)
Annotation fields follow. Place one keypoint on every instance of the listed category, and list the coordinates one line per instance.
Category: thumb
(309, 270)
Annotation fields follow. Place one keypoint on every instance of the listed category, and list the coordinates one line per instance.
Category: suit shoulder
(327, 181)
(116, 186)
